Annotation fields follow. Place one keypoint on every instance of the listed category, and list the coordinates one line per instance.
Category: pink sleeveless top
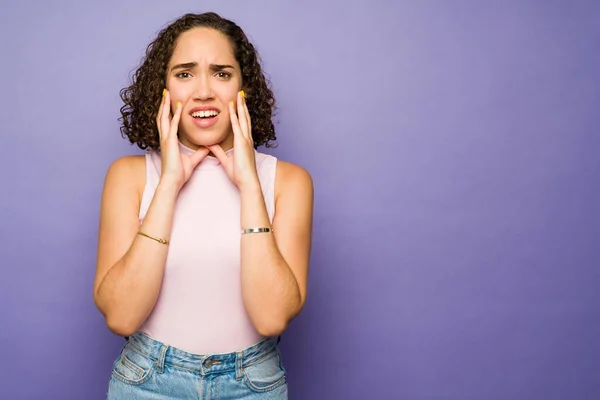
(200, 307)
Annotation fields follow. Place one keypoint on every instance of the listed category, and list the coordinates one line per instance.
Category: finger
(218, 151)
(174, 125)
(199, 155)
(243, 120)
(160, 112)
(164, 119)
(248, 120)
(235, 124)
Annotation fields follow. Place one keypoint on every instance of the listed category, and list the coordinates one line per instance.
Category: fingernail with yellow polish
(164, 92)
(242, 94)
(178, 104)
(232, 105)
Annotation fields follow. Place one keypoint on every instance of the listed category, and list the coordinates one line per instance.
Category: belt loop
(238, 366)
(160, 363)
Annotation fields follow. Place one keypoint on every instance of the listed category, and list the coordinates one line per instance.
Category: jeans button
(208, 363)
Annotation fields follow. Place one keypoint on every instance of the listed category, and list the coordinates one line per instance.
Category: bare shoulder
(130, 166)
(292, 178)
(127, 171)
(124, 184)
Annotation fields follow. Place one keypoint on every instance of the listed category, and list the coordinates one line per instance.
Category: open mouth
(205, 114)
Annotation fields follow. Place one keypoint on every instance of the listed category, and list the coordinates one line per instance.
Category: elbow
(275, 325)
(121, 327)
(272, 327)
(271, 330)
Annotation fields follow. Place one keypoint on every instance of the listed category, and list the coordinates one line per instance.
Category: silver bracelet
(256, 230)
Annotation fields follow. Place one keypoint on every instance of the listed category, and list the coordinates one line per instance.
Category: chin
(206, 138)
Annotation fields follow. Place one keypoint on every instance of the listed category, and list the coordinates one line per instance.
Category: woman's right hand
(177, 167)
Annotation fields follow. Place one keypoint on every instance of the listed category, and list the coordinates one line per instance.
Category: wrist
(168, 187)
(250, 185)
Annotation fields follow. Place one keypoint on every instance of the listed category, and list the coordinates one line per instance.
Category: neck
(226, 144)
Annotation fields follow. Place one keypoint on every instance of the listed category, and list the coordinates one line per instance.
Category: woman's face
(204, 75)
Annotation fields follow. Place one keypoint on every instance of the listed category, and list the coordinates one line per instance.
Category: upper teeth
(201, 114)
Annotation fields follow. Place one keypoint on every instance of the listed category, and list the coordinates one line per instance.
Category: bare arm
(275, 266)
(130, 267)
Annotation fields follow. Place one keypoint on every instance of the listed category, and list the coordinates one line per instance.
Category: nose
(203, 90)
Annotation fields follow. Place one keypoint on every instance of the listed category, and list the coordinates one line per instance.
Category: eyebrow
(191, 65)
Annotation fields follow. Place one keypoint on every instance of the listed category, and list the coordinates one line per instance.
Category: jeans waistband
(162, 354)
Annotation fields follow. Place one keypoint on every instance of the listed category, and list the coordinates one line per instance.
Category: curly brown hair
(143, 97)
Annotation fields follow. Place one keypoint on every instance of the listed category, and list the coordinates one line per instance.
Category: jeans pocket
(265, 375)
(132, 368)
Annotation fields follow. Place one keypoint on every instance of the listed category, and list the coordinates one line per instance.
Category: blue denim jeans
(149, 369)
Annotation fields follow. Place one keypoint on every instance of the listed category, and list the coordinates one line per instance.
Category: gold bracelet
(256, 230)
(159, 240)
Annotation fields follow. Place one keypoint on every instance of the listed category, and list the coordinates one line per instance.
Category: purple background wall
(455, 152)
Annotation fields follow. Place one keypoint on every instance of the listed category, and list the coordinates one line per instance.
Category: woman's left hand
(241, 167)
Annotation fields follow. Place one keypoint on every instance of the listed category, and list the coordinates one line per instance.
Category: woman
(203, 242)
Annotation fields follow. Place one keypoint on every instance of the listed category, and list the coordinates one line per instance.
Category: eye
(224, 75)
(183, 75)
